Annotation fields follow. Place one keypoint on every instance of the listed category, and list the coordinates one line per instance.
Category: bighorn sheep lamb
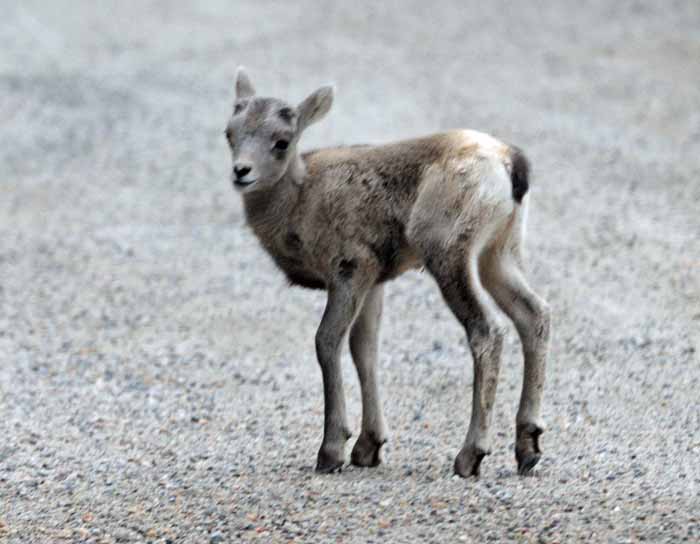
(348, 219)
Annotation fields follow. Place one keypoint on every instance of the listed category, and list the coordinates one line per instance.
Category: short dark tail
(519, 173)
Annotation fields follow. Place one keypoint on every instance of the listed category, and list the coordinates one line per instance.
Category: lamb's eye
(281, 145)
(237, 108)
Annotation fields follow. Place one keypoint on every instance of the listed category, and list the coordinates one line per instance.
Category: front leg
(344, 299)
(364, 339)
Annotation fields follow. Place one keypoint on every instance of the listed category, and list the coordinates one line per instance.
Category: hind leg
(502, 276)
(364, 338)
(457, 275)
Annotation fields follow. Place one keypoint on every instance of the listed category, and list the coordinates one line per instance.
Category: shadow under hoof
(468, 462)
(367, 452)
(527, 447)
(328, 466)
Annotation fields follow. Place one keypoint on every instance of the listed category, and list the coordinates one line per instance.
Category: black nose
(241, 170)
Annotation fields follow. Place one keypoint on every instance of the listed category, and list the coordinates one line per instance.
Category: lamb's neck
(267, 210)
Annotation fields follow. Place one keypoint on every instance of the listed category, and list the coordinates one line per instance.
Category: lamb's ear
(315, 106)
(244, 88)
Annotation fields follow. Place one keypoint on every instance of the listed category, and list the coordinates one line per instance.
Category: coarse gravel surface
(157, 376)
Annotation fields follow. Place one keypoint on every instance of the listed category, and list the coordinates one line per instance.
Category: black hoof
(327, 463)
(468, 461)
(526, 462)
(367, 451)
(527, 447)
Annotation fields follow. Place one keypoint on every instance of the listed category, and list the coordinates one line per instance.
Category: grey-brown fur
(348, 219)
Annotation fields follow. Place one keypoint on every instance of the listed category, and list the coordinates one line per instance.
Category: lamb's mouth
(243, 183)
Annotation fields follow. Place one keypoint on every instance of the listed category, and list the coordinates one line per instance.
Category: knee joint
(543, 320)
(486, 333)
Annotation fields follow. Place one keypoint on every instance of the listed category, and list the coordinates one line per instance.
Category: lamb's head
(262, 133)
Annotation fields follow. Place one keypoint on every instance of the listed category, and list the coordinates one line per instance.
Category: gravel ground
(157, 376)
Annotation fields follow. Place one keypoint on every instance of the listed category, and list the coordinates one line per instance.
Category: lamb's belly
(406, 259)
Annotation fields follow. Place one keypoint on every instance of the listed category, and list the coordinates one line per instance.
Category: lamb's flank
(348, 219)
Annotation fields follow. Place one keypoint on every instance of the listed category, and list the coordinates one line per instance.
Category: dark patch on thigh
(347, 268)
(293, 241)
